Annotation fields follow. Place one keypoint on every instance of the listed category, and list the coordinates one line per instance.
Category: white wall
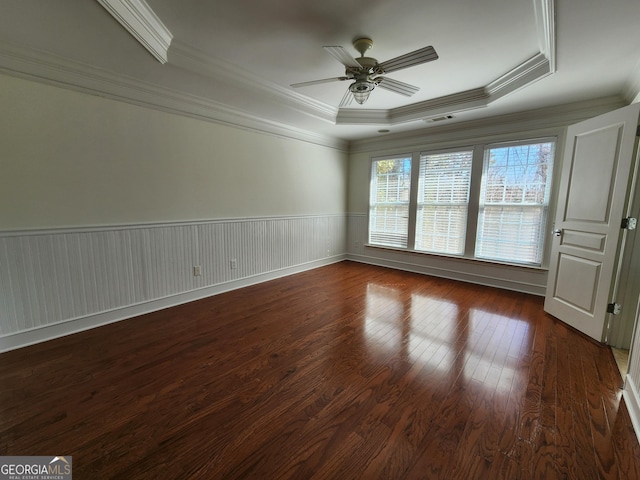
(71, 159)
(106, 207)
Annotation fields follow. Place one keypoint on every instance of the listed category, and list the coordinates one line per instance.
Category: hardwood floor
(343, 372)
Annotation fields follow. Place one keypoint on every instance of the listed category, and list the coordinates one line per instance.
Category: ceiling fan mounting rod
(362, 45)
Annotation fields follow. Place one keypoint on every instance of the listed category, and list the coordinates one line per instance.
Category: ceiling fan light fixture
(361, 90)
(367, 73)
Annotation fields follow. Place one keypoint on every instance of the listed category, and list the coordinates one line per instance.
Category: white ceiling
(239, 57)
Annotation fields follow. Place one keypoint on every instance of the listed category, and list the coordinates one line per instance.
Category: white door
(593, 186)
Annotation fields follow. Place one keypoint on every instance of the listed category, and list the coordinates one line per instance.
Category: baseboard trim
(484, 280)
(44, 333)
(632, 400)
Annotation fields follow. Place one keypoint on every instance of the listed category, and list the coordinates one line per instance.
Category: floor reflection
(385, 319)
(493, 348)
(438, 335)
(435, 327)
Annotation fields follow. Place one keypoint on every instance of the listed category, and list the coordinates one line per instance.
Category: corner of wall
(632, 400)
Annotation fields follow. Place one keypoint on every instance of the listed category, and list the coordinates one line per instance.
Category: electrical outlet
(233, 264)
(197, 271)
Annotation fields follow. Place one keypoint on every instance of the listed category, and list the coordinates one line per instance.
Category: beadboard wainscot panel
(517, 278)
(57, 282)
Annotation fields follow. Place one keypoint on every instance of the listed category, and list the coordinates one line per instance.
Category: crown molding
(456, 102)
(196, 61)
(44, 67)
(529, 121)
(371, 116)
(141, 22)
(545, 12)
(524, 74)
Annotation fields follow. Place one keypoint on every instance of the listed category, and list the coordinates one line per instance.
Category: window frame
(373, 161)
(478, 148)
(525, 206)
(422, 155)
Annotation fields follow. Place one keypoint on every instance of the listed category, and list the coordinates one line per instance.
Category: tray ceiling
(237, 59)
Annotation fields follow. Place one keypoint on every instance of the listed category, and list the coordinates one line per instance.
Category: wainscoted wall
(71, 161)
(56, 282)
(521, 279)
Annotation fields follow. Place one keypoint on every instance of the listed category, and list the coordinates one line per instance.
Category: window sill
(458, 258)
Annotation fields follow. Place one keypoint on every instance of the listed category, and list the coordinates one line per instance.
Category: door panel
(593, 166)
(593, 186)
(586, 240)
(577, 294)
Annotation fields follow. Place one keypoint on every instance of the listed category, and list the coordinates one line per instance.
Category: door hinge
(629, 223)
(614, 308)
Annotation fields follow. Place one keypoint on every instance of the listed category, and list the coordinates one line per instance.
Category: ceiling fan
(368, 73)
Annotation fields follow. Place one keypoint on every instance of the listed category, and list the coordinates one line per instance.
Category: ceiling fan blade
(396, 86)
(316, 82)
(346, 99)
(344, 57)
(423, 55)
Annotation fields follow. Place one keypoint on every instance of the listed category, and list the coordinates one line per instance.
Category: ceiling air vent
(441, 118)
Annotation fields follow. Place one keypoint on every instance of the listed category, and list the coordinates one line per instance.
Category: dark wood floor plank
(546, 446)
(474, 455)
(343, 372)
(597, 409)
(565, 451)
(585, 448)
(435, 458)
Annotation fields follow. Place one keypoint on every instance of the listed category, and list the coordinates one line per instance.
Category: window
(443, 201)
(498, 213)
(389, 202)
(514, 201)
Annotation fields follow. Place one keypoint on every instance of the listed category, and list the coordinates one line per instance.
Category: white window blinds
(443, 201)
(389, 202)
(514, 200)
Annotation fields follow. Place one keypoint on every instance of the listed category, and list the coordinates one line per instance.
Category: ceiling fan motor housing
(367, 62)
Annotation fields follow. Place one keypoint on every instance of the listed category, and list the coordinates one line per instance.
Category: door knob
(557, 232)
